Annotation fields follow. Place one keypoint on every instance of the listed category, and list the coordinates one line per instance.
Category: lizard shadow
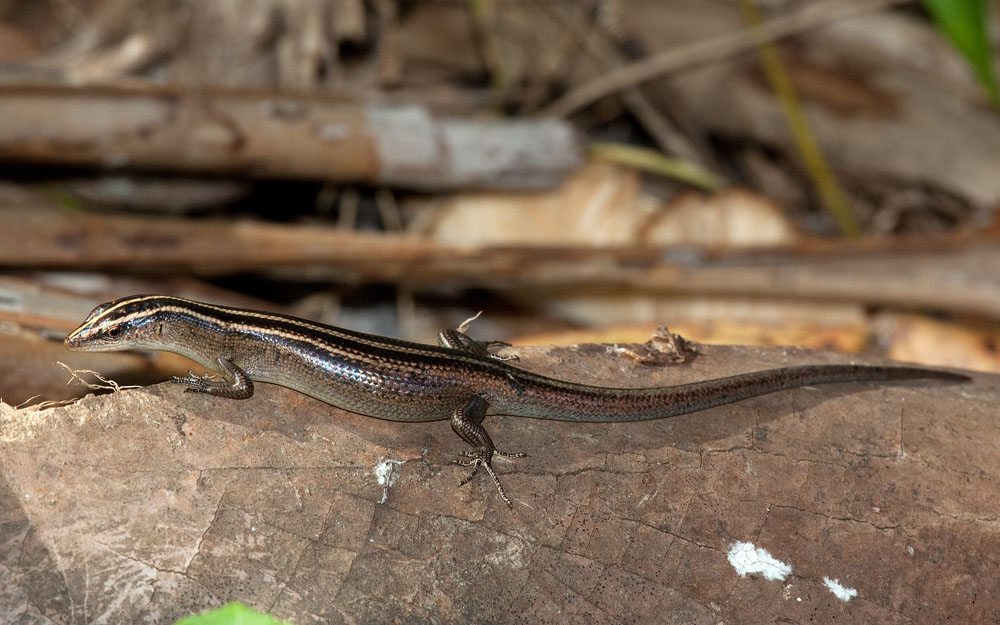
(693, 431)
(32, 571)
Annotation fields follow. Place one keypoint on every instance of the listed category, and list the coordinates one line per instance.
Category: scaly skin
(403, 381)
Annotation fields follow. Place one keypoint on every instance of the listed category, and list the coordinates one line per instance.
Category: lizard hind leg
(458, 339)
(467, 422)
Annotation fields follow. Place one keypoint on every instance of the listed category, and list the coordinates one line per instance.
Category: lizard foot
(240, 388)
(194, 383)
(482, 459)
(458, 340)
(467, 421)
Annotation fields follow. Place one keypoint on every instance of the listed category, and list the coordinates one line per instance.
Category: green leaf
(231, 614)
(964, 23)
(653, 161)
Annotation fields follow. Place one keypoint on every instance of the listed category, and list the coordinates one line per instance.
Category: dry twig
(814, 15)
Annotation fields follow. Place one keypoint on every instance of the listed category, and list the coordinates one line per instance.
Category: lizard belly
(386, 391)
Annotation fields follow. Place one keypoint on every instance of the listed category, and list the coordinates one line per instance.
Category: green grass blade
(964, 23)
(231, 614)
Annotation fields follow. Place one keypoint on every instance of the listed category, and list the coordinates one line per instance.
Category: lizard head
(134, 322)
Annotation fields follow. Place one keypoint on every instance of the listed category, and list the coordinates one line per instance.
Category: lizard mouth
(73, 340)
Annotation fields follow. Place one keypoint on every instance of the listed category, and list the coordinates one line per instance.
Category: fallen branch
(946, 274)
(276, 135)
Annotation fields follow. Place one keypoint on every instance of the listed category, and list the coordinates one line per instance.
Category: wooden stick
(948, 274)
(813, 15)
(276, 135)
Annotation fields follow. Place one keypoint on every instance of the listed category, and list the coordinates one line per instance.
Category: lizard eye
(114, 331)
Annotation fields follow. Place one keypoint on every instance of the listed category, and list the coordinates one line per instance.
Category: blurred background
(823, 173)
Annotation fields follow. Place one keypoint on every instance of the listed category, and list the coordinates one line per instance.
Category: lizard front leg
(240, 388)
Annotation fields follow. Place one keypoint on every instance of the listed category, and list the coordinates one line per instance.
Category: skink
(462, 380)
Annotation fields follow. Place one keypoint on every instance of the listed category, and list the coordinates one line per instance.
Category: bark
(148, 504)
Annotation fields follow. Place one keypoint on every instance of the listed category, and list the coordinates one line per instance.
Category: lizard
(461, 379)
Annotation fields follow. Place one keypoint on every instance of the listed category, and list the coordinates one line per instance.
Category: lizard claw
(479, 459)
(503, 454)
(194, 383)
(491, 347)
(459, 340)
